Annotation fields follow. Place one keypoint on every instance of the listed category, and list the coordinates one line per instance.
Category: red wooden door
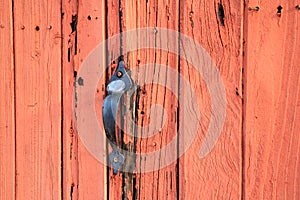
(251, 45)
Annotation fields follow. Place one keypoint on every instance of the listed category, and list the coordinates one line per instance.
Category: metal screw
(253, 9)
(116, 159)
(119, 74)
(49, 27)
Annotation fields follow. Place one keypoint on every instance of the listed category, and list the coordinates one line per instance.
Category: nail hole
(37, 28)
(96, 18)
(191, 14)
(297, 7)
(279, 8)
(71, 130)
(49, 27)
(22, 27)
(237, 91)
(138, 62)
(142, 112)
(89, 17)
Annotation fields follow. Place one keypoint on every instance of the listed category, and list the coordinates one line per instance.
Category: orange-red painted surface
(254, 44)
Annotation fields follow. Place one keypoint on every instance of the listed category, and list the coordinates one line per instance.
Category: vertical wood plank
(69, 17)
(127, 142)
(272, 112)
(218, 30)
(113, 27)
(7, 117)
(84, 29)
(157, 184)
(91, 31)
(38, 99)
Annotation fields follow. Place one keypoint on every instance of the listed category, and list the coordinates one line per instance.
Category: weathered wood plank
(272, 111)
(124, 183)
(37, 26)
(86, 31)
(156, 183)
(218, 29)
(7, 113)
(113, 27)
(91, 31)
(69, 134)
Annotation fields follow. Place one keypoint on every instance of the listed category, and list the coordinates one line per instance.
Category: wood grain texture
(84, 28)
(113, 51)
(7, 104)
(161, 183)
(43, 45)
(91, 31)
(272, 108)
(38, 99)
(69, 136)
(218, 174)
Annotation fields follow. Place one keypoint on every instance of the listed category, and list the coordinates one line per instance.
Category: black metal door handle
(118, 85)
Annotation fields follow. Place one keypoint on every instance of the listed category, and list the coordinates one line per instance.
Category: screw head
(119, 74)
(116, 159)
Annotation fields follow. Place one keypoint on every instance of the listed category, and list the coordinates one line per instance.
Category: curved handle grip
(119, 84)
